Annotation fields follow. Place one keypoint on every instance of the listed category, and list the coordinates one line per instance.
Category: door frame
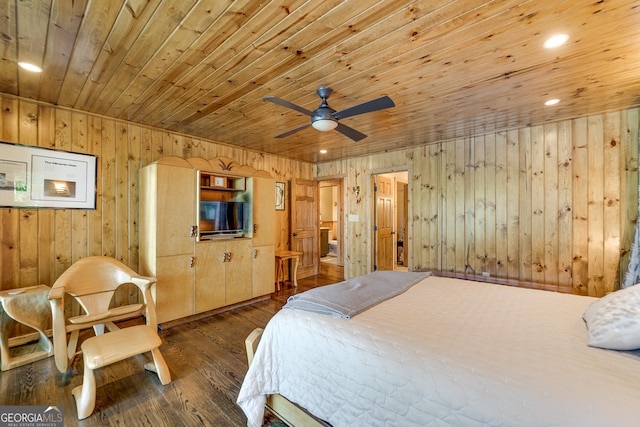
(339, 183)
(371, 212)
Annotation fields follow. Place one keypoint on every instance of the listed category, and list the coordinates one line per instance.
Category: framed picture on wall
(37, 177)
(280, 195)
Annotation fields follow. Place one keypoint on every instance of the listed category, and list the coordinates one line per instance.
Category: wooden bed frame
(287, 411)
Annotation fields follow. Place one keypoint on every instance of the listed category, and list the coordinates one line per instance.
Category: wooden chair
(92, 282)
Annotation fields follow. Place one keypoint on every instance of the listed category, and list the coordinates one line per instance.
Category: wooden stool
(28, 306)
(111, 347)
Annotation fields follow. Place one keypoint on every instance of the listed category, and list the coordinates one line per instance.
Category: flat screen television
(221, 218)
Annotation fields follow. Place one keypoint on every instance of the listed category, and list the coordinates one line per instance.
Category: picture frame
(281, 195)
(37, 177)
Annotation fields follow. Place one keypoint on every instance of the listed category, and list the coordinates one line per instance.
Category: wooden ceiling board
(453, 68)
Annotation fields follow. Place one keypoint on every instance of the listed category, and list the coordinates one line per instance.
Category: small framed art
(280, 195)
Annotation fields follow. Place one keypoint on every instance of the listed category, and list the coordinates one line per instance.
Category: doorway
(390, 220)
(330, 223)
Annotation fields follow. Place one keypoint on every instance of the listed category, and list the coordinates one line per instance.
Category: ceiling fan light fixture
(325, 125)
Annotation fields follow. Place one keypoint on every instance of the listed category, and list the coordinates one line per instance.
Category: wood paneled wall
(552, 205)
(39, 244)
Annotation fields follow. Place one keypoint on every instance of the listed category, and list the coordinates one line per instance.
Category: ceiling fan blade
(350, 132)
(366, 107)
(287, 104)
(294, 130)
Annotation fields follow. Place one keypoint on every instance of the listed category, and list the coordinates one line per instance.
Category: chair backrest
(92, 281)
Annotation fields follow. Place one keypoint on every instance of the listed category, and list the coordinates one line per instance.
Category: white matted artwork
(45, 178)
(280, 195)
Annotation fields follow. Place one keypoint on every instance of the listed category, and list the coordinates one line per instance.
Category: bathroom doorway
(331, 207)
(390, 220)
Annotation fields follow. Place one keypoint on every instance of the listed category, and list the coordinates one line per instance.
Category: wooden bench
(112, 347)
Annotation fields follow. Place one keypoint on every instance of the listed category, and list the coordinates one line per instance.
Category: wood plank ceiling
(201, 67)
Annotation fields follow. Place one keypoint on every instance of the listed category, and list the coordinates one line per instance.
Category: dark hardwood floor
(206, 358)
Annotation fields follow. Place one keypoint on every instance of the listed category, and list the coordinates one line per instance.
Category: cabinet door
(174, 287)
(210, 289)
(176, 204)
(264, 270)
(264, 211)
(238, 271)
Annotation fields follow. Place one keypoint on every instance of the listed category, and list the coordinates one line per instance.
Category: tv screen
(222, 217)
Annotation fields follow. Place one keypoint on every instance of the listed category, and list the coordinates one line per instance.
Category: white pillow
(613, 321)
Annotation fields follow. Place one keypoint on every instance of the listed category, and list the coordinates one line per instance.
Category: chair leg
(85, 394)
(159, 366)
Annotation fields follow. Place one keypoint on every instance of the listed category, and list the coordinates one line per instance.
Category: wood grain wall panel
(469, 206)
(108, 178)
(552, 205)
(28, 226)
(360, 229)
(580, 207)
(10, 218)
(39, 244)
(612, 221)
(448, 219)
(551, 214)
(535, 206)
(122, 220)
(418, 240)
(460, 214)
(501, 180)
(490, 227)
(513, 224)
(434, 210)
(133, 163)
(94, 242)
(478, 209)
(524, 207)
(565, 191)
(595, 201)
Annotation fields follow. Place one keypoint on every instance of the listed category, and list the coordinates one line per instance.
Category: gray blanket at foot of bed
(353, 296)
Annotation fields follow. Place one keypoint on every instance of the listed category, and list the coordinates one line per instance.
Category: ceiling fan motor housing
(324, 112)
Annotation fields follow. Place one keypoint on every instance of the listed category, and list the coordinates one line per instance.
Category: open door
(384, 223)
(305, 233)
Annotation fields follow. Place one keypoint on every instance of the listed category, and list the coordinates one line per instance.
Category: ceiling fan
(326, 118)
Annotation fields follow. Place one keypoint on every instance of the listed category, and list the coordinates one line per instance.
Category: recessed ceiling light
(552, 102)
(323, 151)
(30, 67)
(555, 41)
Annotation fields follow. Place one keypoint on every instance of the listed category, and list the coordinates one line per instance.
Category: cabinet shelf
(213, 182)
(220, 188)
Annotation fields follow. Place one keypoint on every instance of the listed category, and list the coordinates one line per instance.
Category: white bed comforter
(447, 352)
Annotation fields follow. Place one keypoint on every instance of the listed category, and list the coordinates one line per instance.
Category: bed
(451, 352)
